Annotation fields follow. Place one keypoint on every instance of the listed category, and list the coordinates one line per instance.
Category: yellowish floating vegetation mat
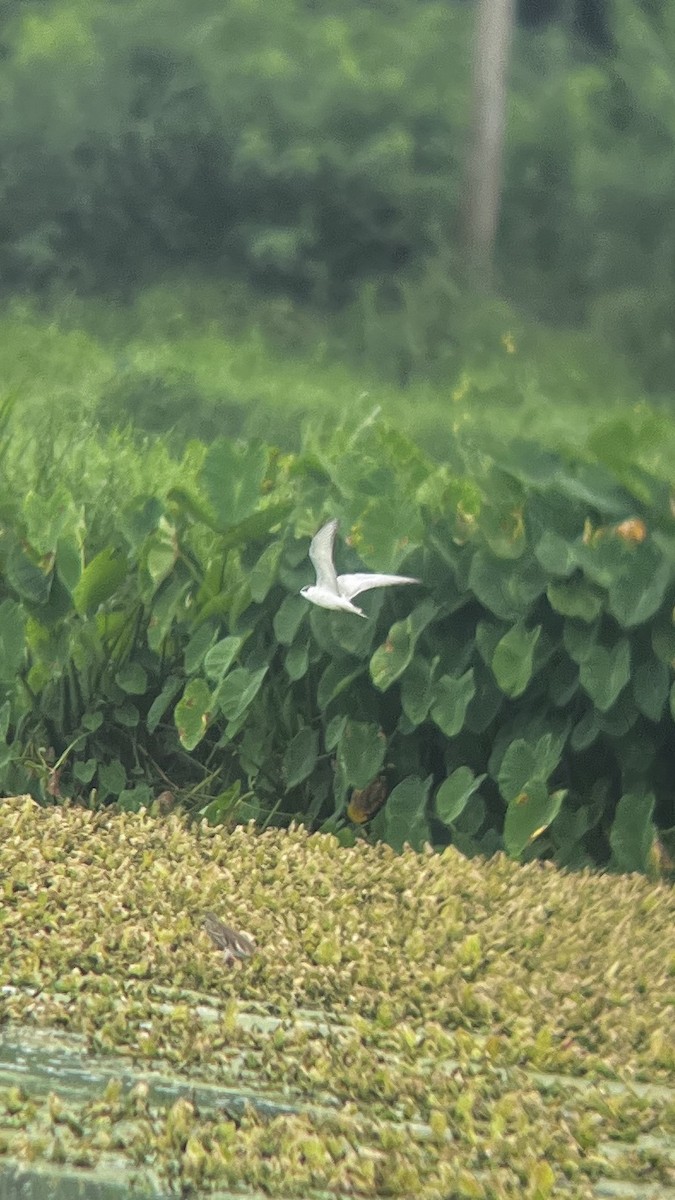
(414, 1025)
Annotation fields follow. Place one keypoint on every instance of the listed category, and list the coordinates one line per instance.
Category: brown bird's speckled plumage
(233, 945)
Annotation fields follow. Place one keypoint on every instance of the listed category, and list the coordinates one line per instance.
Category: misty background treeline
(317, 149)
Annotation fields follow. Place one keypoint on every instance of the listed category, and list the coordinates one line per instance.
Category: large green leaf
(27, 578)
(507, 589)
(524, 761)
(232, 477)
(296, 661)
(519, 765)
(512, 660)
(219, 658)
(199, 644)
(636, 595)
(336, 679)
(486, 702)
(392, 658)
(238, 690)
(69, 561)
(100, 580)
(140, 518)
(264, 572)
(162, 701)
(575, 598)
(193, 713)
(49, 517)
(568, 829)
(529, 814)
(504, 531)
(161, 553)
(455, 792)
(288, 618)
(404, 816)
(133, 679)
(488, 636)
(586, 731)
(134, 799)
(186, 501)
(417, 690)
(451, 700)
(563, 681)
(592, 486)
(663, 639)
(256, 526)
(605, 672)
(361, 752)
(334, 731)
(632, 834)
(300, 756)
(621, 717)
(12, 640)
(651, 681)
(555, 554)
(167, 607)
(580, 639)
(345, 634)
(111, 778)
(386, 529)
(636, 754)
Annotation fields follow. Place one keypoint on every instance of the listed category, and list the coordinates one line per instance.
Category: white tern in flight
(338, 591)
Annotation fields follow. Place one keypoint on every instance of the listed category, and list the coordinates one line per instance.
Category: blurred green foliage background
(316, 153)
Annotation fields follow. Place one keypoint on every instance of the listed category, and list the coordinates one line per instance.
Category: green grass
(209, 360)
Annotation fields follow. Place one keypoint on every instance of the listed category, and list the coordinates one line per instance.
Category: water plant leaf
(12, 639)
(29, 580)
(512, 659)
(132, 679)
(219, 658)
(632, 833)
(238, 690)
(100, 580)
(604, 673)
(288, 618)
(529, 814)
(392, 658)
(404, 816)
(636, 595)
(575, 598)
(451, 700)
(455, 792)
(193, 713)
(232, 477)
(300, 756)
(361, 752)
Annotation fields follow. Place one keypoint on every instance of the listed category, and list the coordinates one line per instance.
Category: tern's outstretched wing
(352, 585)
(321, 555)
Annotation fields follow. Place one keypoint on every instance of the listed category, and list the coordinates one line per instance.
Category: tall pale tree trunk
(495, 20)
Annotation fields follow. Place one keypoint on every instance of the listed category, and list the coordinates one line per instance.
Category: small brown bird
(365, 802)
(233, 945)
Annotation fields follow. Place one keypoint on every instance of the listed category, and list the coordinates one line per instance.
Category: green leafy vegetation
(154, 638)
